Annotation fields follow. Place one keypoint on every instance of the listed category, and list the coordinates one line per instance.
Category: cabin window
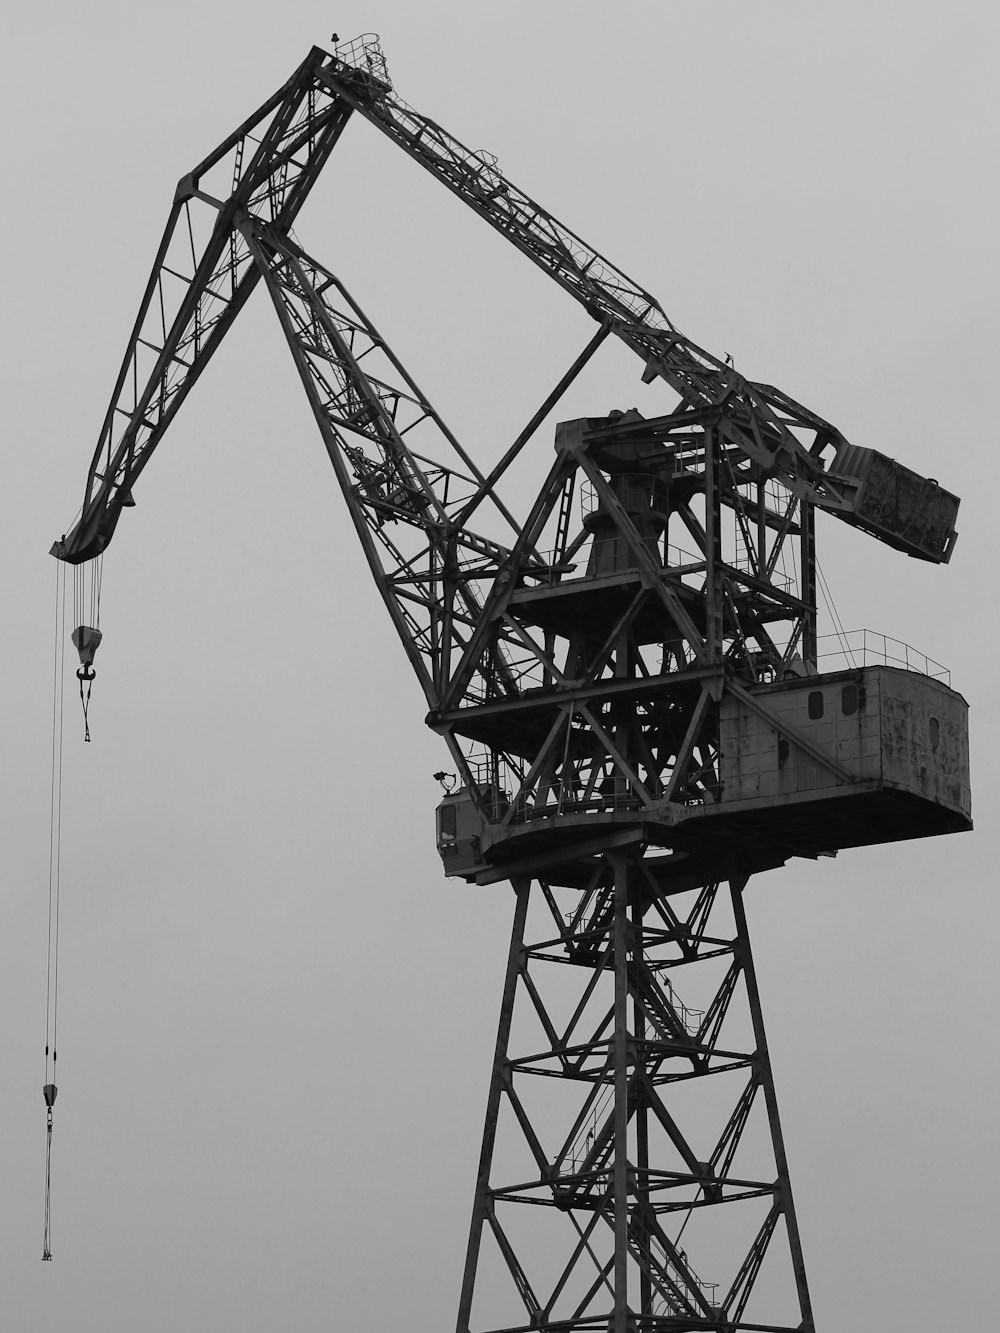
(935, 733)
(849, 700)
(448, 822)
(816, 704)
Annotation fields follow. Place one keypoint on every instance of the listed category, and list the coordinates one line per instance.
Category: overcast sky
(276, 1016)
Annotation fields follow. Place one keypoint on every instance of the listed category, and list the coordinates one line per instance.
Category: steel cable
(55, 867)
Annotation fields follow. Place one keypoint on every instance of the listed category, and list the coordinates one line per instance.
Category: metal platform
(808, 767)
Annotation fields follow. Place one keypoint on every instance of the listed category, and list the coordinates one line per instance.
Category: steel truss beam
(386, 443)
(810, 456)
(201, 278)
(620, 644)
(646, 1189)
(203, 275)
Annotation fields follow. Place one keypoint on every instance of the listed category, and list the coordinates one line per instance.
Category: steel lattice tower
(633, 1175)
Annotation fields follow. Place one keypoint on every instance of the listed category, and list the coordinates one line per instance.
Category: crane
(633, 692)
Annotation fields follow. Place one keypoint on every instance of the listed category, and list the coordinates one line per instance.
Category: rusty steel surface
(892, 730)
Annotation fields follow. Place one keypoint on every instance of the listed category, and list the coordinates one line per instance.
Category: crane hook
(86, 641)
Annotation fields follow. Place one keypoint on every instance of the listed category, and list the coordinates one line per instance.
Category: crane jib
(303, 121)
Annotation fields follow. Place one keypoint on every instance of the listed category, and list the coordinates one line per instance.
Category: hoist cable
(55, 825)
(838, 624)
(85, 700)
(77, 594)
(47, 1241)
(55, 867)
(98, 579)
(87, 592)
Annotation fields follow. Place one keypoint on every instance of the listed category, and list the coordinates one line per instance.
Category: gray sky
(276, 1016)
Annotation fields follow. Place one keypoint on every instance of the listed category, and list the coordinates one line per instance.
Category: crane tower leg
(632, 1176)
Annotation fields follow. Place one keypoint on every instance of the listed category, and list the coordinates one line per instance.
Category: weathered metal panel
(894, 729)
(911, 512)
(925, 739)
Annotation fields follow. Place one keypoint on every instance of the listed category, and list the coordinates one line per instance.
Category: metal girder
(616, 670)
(374, 421)
(810, 456)
(202, 276)
(627, 1193)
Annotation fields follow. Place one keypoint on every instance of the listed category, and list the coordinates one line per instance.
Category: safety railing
(864, 647)
(582, 1146)
(548, 570)
(559, 798)
(777, 579)
(680, 1275)
(690, 1018)
(364, 53)
(494, 800)
(686, 1281)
